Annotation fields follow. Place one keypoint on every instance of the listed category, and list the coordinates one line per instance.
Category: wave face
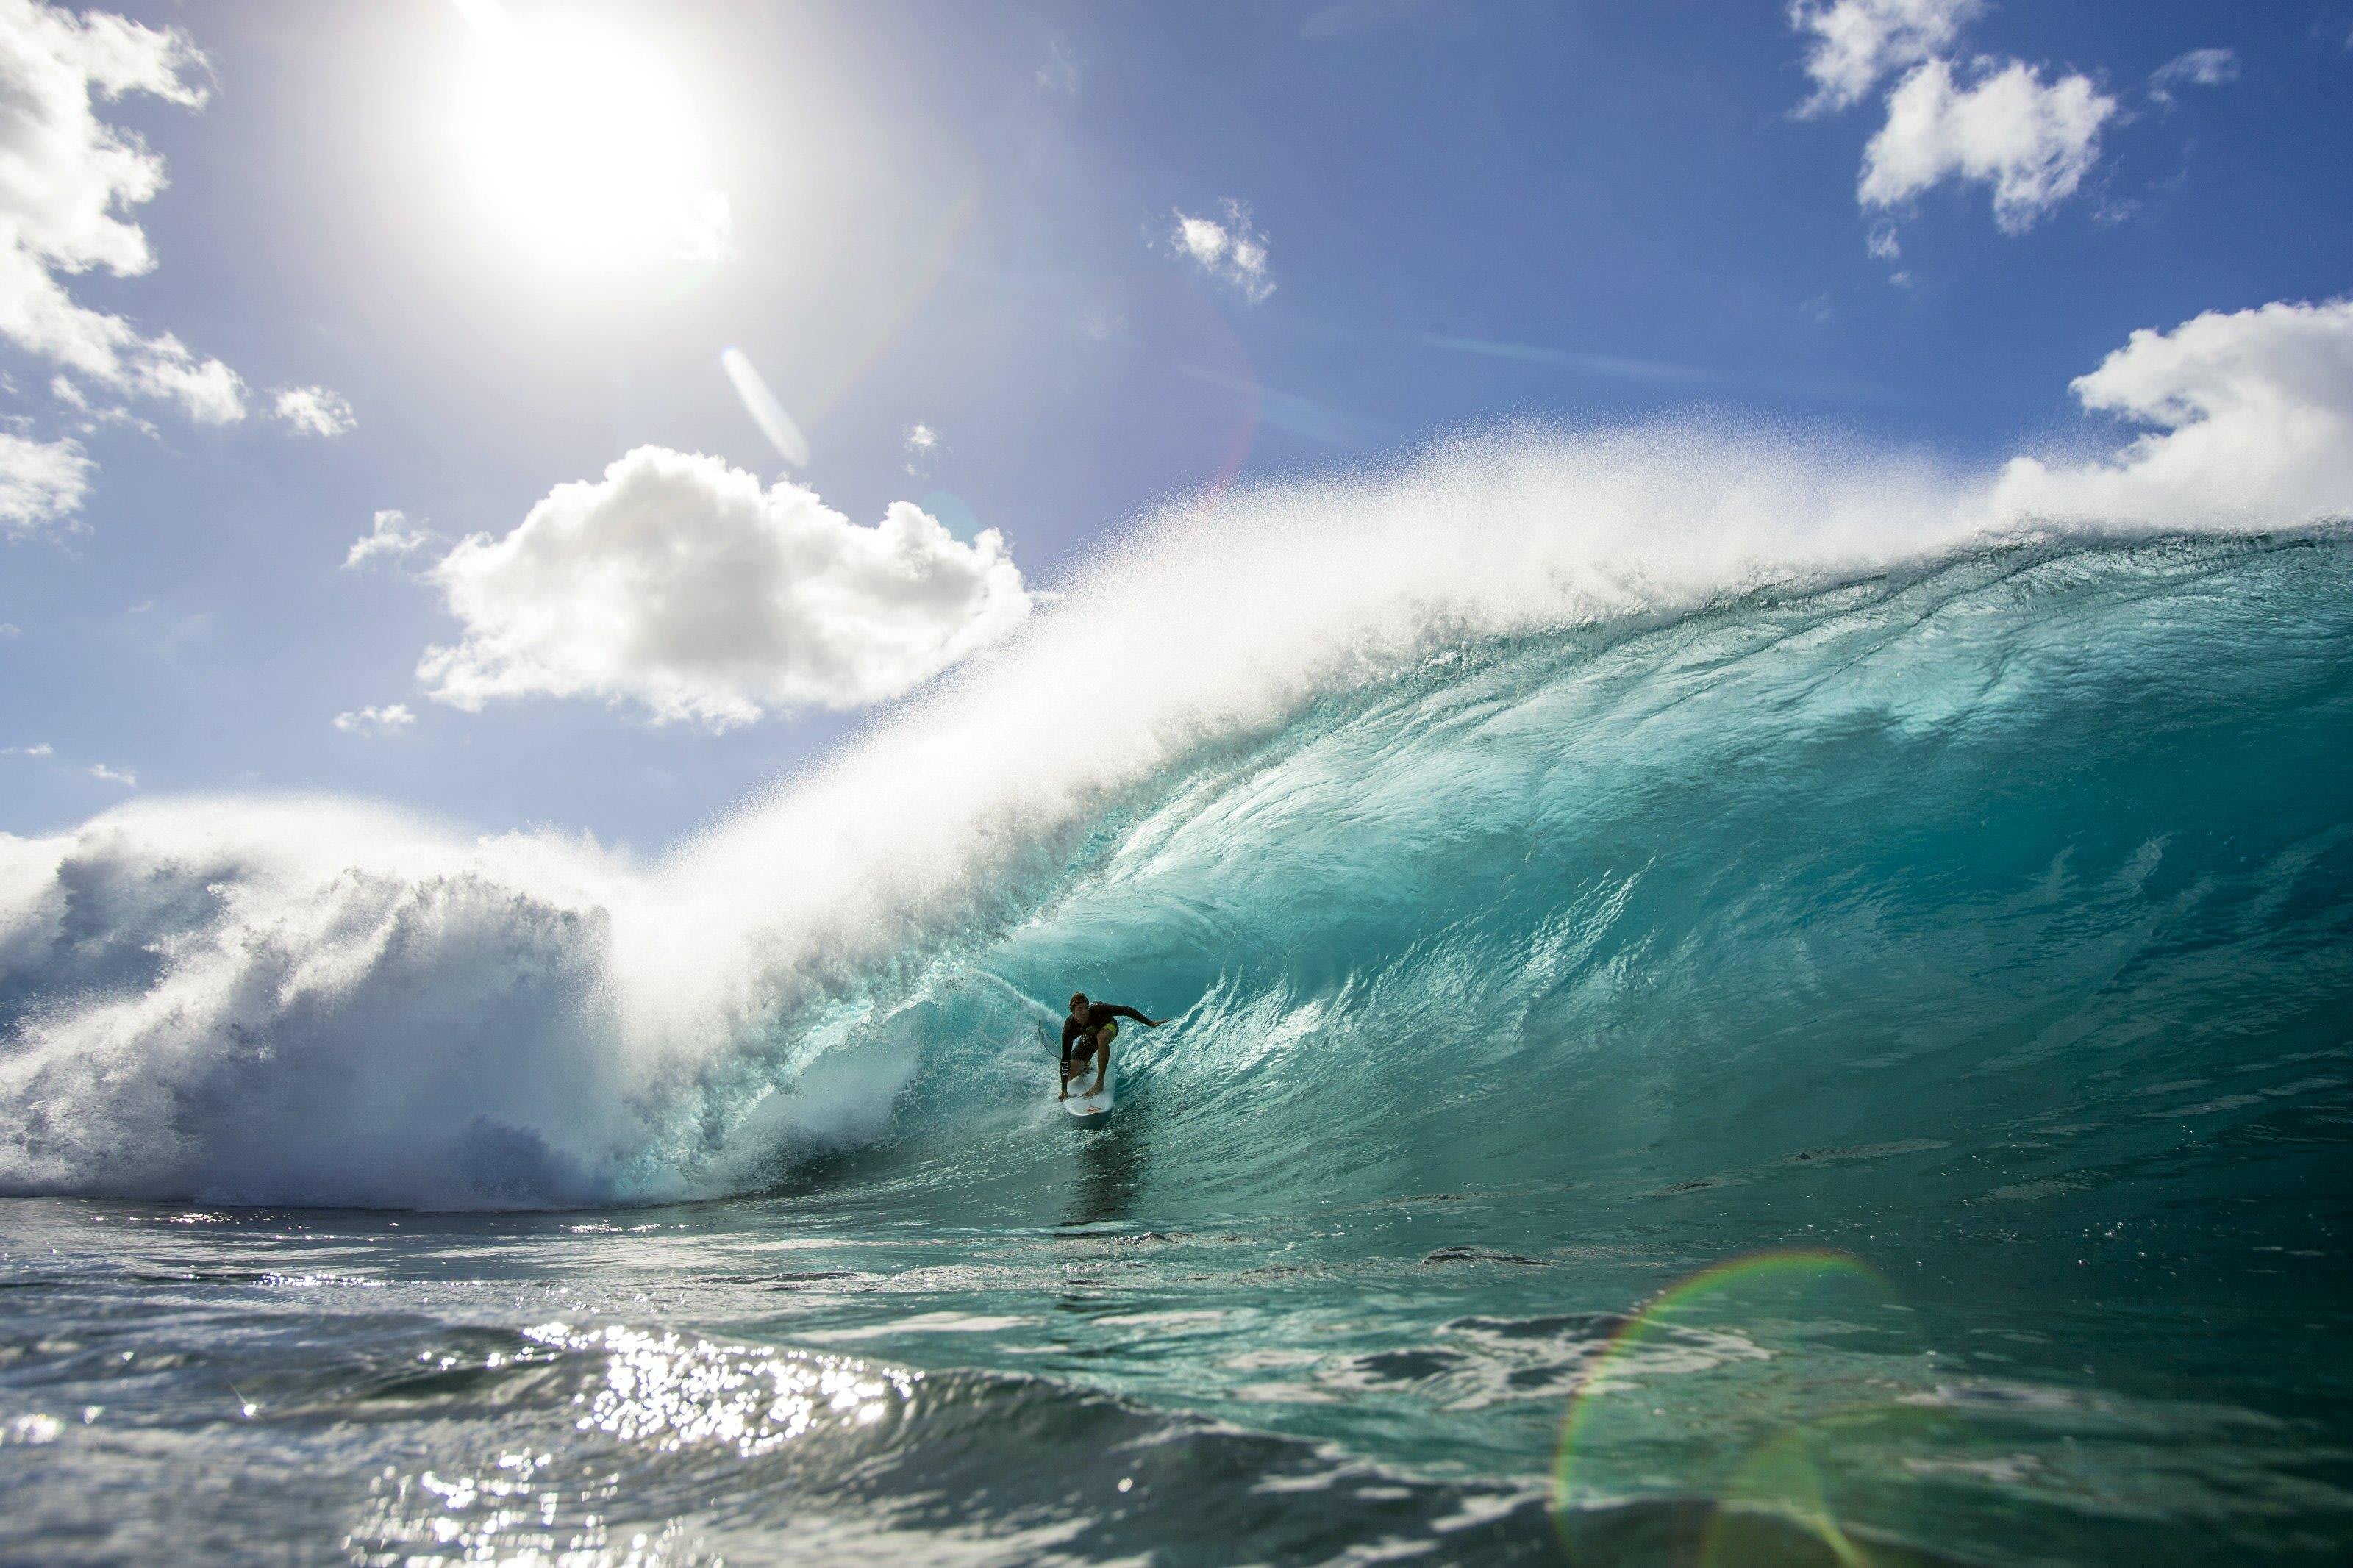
(1524, 842)
(2031, 872)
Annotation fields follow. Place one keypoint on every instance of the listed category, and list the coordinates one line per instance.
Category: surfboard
(1087, 1107)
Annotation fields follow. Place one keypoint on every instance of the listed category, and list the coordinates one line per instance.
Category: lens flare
(1760, 1388)
(767, 412)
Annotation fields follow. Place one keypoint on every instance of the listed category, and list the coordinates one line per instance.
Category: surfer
(1092, 1026)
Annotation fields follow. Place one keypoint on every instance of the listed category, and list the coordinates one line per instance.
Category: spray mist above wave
(307, 1001)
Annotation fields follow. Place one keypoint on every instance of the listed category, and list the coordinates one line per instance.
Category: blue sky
(968, 219)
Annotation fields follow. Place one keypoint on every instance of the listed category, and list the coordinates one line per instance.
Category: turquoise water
(1871, 1063)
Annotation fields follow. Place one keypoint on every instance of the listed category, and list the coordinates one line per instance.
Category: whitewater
(1735, 998)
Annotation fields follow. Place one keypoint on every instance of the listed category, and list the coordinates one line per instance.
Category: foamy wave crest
(303, 1000)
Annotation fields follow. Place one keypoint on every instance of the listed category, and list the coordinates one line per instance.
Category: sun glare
(585, 150)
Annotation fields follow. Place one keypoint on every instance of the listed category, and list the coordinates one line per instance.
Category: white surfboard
(1086, 1106)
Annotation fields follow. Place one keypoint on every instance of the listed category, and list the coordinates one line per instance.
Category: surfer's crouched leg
(1101, 1052)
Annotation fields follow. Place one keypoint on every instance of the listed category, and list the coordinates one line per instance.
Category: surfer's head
(1078, 1001)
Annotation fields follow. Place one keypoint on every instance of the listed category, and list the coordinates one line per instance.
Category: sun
(584, 149)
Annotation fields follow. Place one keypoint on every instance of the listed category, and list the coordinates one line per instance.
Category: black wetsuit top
(1097, 1015)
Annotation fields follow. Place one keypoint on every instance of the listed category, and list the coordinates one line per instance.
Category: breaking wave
(1642, 803)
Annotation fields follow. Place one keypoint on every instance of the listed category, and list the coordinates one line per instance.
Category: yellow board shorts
(1102, 1036)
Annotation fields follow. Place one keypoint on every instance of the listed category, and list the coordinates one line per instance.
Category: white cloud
(2033, 142)
(124, 777)
(378, 720)
(40, 749)
(2250, 417)
(2198, 67)
(1228, 249)
(678, 582)
(41, 482)
(314, 411)
(95, 415)
(1856, 42)
(67, 182)
(392, 534)
(922, 443)
(1059, 74)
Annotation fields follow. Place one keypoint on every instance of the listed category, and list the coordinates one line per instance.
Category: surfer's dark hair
(1078, 998)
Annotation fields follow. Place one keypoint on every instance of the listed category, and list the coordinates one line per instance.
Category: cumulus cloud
(2249, 420)
(376, 721)
(1854, 43)
(39, 749)
(392, 535)
(2198, 67)
(1989, 122)
(678, 582)
(67, 184)
(1227, 248)
(122, 776)
(2031, 141)
(41, 482)
(314, 411)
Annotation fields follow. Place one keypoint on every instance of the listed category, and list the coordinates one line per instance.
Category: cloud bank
(70, 184)
(68, 181)
(677, 584)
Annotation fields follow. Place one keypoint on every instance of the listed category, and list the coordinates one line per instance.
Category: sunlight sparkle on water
(672, 1391)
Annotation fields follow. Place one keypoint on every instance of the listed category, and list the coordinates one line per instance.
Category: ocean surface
(1837, 1060)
